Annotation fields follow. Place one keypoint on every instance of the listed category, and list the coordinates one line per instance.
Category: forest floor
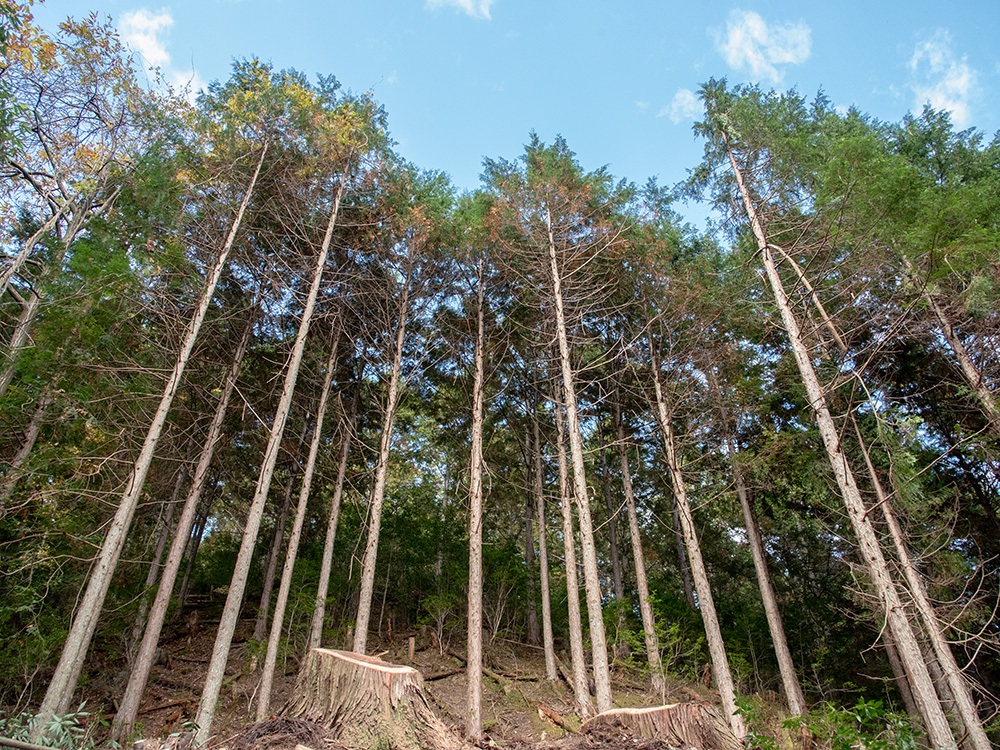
(520, 707)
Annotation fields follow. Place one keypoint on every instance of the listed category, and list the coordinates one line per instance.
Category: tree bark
(548, 644)
(382, 468)
(694, 726)
(713, 633)
(935, 721)
(278, 620)
(60, 691)
(645, 605)
(474, 671)
(899, 675)
(591, 576)
(958, 686)
(128, 709)
(578, 665)
(370, 703)
(237, 587)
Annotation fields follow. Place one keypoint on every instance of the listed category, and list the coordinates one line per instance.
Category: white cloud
(684, 106)
(942, 79)
(642, 105)
(474, 8)
(144, 32)
(750, 43)
(141, 29)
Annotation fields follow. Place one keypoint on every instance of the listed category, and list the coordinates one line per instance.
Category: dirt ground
(513, 690)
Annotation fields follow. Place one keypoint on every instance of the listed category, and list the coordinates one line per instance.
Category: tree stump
(696, 725)
(368, 702)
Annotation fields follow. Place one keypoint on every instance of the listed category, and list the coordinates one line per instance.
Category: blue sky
(467, 79)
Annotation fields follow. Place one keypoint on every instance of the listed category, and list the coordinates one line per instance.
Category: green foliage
(866, 724)
(72, 731)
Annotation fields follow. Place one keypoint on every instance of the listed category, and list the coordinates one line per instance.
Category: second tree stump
(368, 702)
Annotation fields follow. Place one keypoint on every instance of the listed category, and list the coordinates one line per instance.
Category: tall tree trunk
(19, 338)
(382, 468)
(278, 621)
(899, 676)
(893, 609)
(713, 633)
(277, 541)
(577, 663)
(534, 635)
(319, 613)
(682, 559)
(165, 524)
(641, 583)
(591, 576)
(60, 691)
(954, 677)
(616, 561)
(128, 709)
(548, 643)
(30, 438)
(474, 671)
(789, 679)
(237, 587)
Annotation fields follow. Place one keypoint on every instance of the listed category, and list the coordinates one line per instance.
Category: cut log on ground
(368, 702)
(696, 725)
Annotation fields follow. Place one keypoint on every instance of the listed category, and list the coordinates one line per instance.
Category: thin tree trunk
(548, 644)
(19, 338)
(381, 469)
(645, 605)
(277, 622)
(153, 574)
(534, 636)
(935, 721)
(474, 671)
(30, 438)
(128, 709)
(60, 691)
(899, 675)
(965, 706)
(8, 273)
(682, 560)
(271, 570)
(192, 555)
(616, 561)
(713, 633)
(577, 662)
(972, 375)
(237, 587)
(319, 613)
(789, 679)
(591, 576)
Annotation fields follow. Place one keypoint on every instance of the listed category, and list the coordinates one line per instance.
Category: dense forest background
(253, 359)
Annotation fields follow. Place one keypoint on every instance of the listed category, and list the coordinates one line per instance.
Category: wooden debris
(694, 725)
(368, 702)
(544, 712)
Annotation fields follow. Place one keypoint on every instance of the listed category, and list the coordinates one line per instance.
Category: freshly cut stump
(696, 725)
(368, 702)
